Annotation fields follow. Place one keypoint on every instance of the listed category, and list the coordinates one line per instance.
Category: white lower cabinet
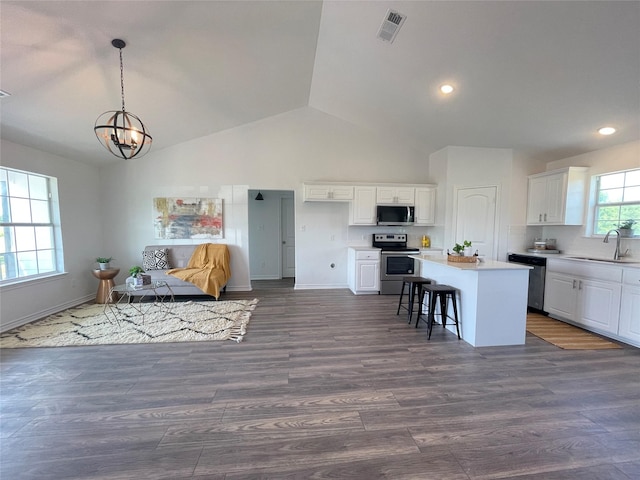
(585, 295)
(587, 302)
(560, 295)
(364, 270)
(629, 327)
(599, 305)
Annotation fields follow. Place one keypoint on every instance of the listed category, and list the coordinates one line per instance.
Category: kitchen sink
(604, 260)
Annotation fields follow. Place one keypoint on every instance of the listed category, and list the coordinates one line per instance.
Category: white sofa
(178, 256)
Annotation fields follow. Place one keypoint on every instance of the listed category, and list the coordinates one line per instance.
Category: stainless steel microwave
(395, 215)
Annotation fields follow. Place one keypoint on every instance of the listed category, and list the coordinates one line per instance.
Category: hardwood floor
(325, 385)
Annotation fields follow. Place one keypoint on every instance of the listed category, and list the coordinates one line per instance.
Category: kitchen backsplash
(571, 240)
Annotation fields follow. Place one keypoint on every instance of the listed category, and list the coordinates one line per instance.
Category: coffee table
(159, 290)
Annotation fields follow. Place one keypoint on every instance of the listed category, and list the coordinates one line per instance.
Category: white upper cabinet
(425, 203)
(557, 197)
(392, 195)
(363, 208)
(327, 192)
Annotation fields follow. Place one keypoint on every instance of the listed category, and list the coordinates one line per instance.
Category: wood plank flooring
(326, 385)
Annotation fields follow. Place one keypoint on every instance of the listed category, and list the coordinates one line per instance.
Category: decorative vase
(626, 232)
(103, 266)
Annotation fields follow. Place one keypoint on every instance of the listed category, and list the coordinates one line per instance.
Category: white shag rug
(92, 324)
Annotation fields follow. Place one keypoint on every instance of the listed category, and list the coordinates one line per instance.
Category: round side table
(106, 284)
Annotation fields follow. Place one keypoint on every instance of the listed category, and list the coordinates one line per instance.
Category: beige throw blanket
(208, 268)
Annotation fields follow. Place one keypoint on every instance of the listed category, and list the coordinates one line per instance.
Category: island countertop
(479, 265)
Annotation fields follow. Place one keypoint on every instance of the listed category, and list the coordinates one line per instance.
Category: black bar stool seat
(442, 293)
(415, 285)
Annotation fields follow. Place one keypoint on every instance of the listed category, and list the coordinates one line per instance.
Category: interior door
(476, 218)
(288, 237)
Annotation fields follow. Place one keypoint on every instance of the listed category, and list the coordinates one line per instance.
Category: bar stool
(415, 285)
(443, 293)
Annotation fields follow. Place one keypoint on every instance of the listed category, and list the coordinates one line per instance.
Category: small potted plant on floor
(626, 228)
(103, 262)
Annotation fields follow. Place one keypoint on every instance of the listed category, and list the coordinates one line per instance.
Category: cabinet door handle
(540, 217)
(545, 217)
(574, 284)
(580, 285)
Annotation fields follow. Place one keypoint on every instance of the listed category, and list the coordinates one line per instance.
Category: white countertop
(483, 265)
(632, 262)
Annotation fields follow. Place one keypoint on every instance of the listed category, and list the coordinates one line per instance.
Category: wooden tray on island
(462, 259)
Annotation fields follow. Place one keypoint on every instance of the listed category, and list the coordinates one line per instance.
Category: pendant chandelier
(121, 132)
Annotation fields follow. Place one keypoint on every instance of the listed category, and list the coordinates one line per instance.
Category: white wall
(454, 167)
(278, 153)
(82, 236)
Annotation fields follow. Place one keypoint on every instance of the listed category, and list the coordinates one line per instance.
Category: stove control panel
(390, 237)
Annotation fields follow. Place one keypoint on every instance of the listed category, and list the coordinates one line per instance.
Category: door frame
(275, 219)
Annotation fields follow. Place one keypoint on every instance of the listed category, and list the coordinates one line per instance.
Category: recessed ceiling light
(446, 88)
(606, 130)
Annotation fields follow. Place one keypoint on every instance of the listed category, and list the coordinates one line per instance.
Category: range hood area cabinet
(363, 199)
(362, 210)
(395, 195)
(557, 197)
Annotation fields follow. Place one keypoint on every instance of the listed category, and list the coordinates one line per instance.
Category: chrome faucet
(616, 254)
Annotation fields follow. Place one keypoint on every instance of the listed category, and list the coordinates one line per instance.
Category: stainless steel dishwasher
(536, 278)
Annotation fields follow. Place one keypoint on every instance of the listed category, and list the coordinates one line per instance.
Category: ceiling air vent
(390, 25)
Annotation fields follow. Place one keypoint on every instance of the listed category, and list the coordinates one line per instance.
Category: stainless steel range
(394, 261)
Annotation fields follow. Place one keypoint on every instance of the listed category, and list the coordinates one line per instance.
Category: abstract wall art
(197, 218)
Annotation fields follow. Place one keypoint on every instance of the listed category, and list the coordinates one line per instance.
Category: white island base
(492, 302)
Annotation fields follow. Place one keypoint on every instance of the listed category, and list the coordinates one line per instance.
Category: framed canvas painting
(195, 218)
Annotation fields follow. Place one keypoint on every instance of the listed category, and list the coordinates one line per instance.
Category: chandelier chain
(121, 79)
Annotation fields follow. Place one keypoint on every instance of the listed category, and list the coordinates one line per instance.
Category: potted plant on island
(462, 253)
(103, 262)
(626, 228)
(460, 249)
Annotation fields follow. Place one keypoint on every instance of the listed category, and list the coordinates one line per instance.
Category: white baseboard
(239, 288)
(309, 286)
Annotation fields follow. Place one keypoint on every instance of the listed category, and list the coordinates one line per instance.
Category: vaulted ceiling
(537, 76)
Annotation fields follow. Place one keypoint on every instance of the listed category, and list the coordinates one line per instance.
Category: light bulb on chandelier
(122, 132)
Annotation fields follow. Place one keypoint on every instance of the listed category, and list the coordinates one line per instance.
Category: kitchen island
(492, 303)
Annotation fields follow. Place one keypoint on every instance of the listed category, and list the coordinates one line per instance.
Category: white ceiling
(537, 76)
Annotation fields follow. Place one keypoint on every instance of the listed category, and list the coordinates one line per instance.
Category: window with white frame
(28, 227)
(617, 200)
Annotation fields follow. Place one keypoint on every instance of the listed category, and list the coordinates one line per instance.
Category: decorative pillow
(155, 259)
